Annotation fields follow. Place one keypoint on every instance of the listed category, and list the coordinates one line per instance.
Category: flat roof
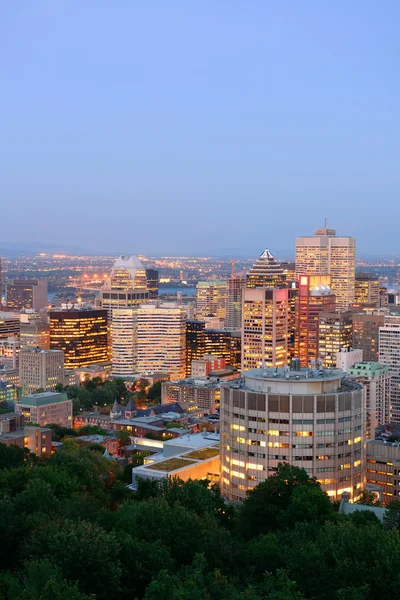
(285, 374)
(43, 399)
(195, 440)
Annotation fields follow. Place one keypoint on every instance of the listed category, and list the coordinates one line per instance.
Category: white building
(325, 253)
(347, 357)
(123, 341)
(375, 379)
(389, 355)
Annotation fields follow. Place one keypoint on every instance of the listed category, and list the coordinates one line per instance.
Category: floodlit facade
(123, 341)
(376, 380)
(81, 334)
(366, 289)
(366, 333)
(265, 328)
(314, 296)
(327, 253)
(161, 339)
(40, 369)
(266, 272)
(211, 299)
(389, 355)
(34, 331)
(311, 419)
(9, 325)
(46, 408)
(127, 286)
(25, 294)
(335, 333)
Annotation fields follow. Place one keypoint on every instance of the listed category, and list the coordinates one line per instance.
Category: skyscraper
(325, 253)
(266, 272)
(127, 286)
(335, 333)
(23, 294)
(161, 339)
(366, 333)
(233, 319)
(211, 299)
(314, 297)
(35, 331)
(366, 289)
(152, 283)
(389, 355)
(123, 341)
(375, 379)
(265, 327)
(81, 333)
(195, 342)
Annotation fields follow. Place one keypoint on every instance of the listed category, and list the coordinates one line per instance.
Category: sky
(199, 127)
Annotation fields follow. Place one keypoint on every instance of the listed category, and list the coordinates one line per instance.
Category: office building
(9, 352)
(335, 333)
(211, 299)
(8, 392)
(366, 333)
(376, 381)
(314, 296)
(327, 253)
(202, 393)
(367, 289)
(347, 357)
(152, 283)
(46, 408)
(127, 286)
(195, 342)
(40, 369)
(233, 321)
(34, 330)
(9, 325)
(204, 366)
(265, 329)
(224, 344)
(161, 339)
(266, 272)
(389, 355)
(311, 420)
(23, 294)
(123, 341)
(81, 333)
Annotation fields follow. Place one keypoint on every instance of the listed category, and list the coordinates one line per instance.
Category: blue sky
(199, 127)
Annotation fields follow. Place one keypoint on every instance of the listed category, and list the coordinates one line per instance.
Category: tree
(11, 456)
(392, 515)
(368, 498)
(154, 392)
(123, 438)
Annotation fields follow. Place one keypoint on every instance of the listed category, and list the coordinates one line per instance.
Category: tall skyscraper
(211, 297)
(81, 333)
(366, 289)
(389, 355)
(123, 341)
(127, 286)
(266, 272)
(195, 342)
(326, 253)
(335, 333)
(265, 328)
(314, 297)
(152, 283)
(375, 379)
(366, 333)
(40, 369)
(233, 319)
(316, 421)
(23, 294)
(161, 339)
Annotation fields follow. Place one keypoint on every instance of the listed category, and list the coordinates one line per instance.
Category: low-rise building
(8, 392)
(13, 433)
(204, 393)
(46, 408)
(383, 470)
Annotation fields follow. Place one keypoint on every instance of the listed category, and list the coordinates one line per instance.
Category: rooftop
(368, 368)
(285, 373)
(43, 399)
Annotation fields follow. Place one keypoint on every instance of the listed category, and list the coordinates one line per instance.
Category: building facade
(335, 333)
(326, 253)
(266, 272)
(236, 285)
(314, 420)
(211, 299)
(383, 470)
(265, 329)
(34, 331)
(376, 381)
(40, 369)
(152, 283)
(347, 357)
(9, 325)
(25, 294)
(389, 355)
(203, 393)
(46, 408)
(81, 334)
(207, 364)
(367, 289)
(366, 333)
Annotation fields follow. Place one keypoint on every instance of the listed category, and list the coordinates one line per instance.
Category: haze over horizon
(182, 128)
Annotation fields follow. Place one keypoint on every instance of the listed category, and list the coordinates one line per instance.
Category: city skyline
(137, 129)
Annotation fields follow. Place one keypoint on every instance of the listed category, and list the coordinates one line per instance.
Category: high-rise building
(224, 344)
(265, 328)
(195, 342)
(312, 420)
(9, 325)
(335, 333)
(327, 253)
(366, 289)
(233, 319)
(161, 339)
(366, 333)
(40, 369)
(23, 294)
(123, 341)
(389, 355)
(81, 333)
(127, 286)
(347, 358)
(266, 272)
(35, 331)
(152, 283)
(314, 297)
(375, 379)
(211, 297)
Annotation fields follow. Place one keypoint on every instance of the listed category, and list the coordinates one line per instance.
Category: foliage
(175, 424)
(368, 498)
(11, 456)
(154, 392)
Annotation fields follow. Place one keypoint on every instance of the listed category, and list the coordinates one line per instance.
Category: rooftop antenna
(233, 267)
(326, 223)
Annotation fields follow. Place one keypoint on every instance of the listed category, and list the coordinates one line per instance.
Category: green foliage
(59, 433)
(11, 456)
(154, 392)
(4, 408)
(392, 515)
(368, 498)
(90, 430)
(175, 424)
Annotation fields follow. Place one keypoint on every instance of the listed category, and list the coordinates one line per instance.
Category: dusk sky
(199, 127)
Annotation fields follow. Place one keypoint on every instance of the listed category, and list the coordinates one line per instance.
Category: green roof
(43, 399)
(369, 369)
